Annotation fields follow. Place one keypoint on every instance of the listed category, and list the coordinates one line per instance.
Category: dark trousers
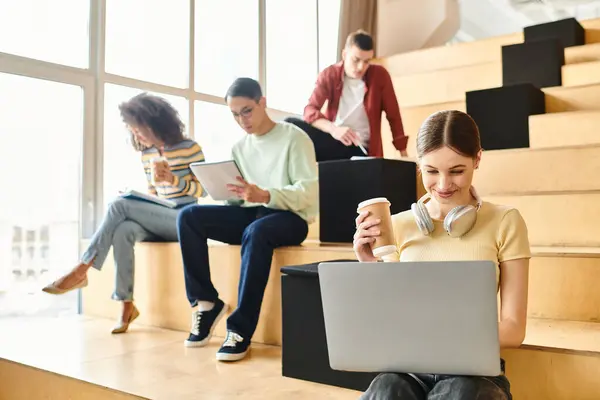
(391, 386)
(326, 146)
(258, 229)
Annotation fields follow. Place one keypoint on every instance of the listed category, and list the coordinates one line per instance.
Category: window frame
(93, 79)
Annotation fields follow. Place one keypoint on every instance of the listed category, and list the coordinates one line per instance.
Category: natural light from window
(216, 130)
(226, 43)
(329, 24)
(291, 53)
(49, 30)
(59, 113)
(148, 40)
(42, 125)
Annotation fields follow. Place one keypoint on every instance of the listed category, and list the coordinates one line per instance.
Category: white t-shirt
(351, 111)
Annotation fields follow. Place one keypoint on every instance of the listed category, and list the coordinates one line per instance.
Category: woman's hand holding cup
(374, 237)
(365, 235)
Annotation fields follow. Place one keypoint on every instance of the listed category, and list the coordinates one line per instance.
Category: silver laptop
(412, 317)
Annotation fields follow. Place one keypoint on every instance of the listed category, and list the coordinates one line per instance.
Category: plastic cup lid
(373, 201)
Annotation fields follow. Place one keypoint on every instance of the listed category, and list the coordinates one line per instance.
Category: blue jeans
(259, 230)
(390, 386)
(126, 222)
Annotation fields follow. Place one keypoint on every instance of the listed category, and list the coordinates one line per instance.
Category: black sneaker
(234, 348)
(203, 323)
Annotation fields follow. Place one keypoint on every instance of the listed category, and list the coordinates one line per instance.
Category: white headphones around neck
(459, 221)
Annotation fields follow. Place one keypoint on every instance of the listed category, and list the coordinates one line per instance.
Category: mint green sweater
(283, 162)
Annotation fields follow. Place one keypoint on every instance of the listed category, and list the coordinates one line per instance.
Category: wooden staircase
(555, 184)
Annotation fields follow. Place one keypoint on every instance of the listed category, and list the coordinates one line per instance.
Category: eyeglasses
(245, 113)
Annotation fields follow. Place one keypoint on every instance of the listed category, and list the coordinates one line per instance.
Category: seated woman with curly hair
(156, 131)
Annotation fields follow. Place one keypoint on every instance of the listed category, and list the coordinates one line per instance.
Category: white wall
(405, 25)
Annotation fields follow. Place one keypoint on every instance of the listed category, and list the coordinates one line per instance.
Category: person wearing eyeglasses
(357, 92)
(157, 132)
(274, 203)
(452, 223)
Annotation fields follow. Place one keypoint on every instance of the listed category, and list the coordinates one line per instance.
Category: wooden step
(558, 100)
(566, 251)
(558, 219)
(574, 128)
(559, 360)
(160, 288)
(563, 336)
(549, 375)
(17, 379)
(592, 30)
(450, 56)
(572, 98)
(446, 85)
(145, 363)
(481, 52)
(412, 119)
(452, 84)
(582, 54)
(563, 283)
(526, 171)
(581, 74)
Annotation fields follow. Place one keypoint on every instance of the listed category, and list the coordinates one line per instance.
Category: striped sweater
(186, 187)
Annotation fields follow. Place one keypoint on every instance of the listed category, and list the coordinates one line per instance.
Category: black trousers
(326, 146)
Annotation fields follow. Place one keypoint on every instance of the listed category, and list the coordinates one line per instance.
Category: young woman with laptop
(156, 131)
(451, 223)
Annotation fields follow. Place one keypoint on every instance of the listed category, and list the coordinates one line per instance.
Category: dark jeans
(391, 386)
(258, 229)
(326, 147)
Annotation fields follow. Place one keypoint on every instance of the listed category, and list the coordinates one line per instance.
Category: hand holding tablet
(217, 177)
(249, 192)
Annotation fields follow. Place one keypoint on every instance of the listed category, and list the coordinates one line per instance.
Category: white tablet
(215, 176)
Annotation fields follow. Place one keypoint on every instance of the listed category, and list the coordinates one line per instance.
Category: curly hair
(155, 113)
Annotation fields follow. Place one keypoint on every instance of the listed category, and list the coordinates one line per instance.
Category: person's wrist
(266, 197)
(332, 129)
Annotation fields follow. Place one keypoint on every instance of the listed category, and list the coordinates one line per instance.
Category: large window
(66, 65)
(122, 164)
(49, 30)
(292, 63)
(329, 24)
(41, 129)
(148, 40)
(216, 130)
(226, 43)
(291, 53)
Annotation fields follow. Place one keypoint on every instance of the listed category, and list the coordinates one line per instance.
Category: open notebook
(134, 194)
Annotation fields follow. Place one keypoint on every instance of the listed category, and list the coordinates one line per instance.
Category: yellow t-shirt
(500, 234)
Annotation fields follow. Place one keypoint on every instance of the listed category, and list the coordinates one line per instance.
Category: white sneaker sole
(232, 357)
(205, 341)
